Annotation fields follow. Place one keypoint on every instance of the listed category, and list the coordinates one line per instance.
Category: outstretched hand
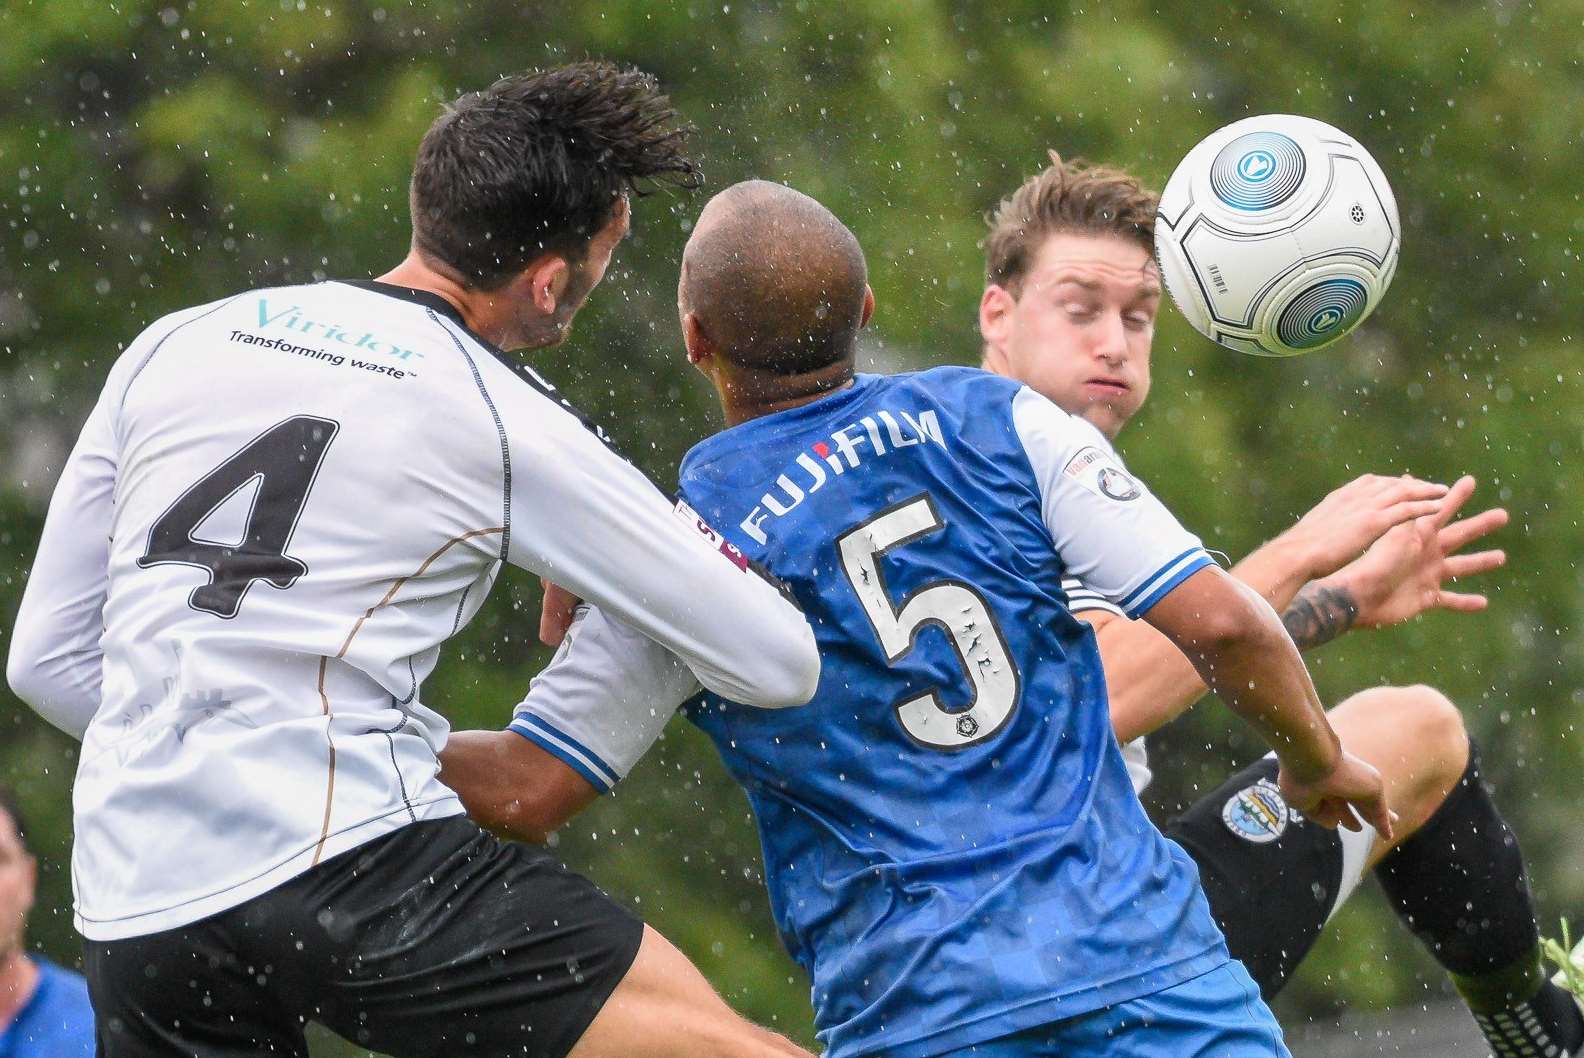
(1356, 515)
(1404, 573)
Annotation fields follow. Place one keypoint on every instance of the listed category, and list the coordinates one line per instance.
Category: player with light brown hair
(1071, 296)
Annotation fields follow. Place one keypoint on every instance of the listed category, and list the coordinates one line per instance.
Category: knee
(1419, 719)
(1438, 728)
(1416, 736)
(1433, 731)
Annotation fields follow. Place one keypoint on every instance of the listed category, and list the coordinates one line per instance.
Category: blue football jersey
(952, 845)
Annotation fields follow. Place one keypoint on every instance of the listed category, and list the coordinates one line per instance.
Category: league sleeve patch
(1101, 473)
(704, 529)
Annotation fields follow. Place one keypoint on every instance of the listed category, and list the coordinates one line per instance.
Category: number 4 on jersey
(279, 466)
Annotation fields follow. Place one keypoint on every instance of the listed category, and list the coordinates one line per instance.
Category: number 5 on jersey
(958, 609)
(279, 466)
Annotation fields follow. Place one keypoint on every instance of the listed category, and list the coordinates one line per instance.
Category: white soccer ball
(1277, 235)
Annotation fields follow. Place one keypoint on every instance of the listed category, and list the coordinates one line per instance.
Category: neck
(479, 309)
(747, 393)
(18, 977)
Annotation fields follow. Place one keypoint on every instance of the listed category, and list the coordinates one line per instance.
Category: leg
(1455, 874)
(663, 988)
(1415, 738)
(445, 941)
(1272, 878)
(186, 992)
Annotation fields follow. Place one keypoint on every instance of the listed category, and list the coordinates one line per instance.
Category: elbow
(25, 673)
(1246, 623)
(525, 820)
(789, 671)
(39, 680)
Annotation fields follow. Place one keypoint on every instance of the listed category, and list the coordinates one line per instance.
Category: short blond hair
(1073, 197)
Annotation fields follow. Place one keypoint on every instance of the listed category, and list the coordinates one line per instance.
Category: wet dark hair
(535, 163)
(8, 805)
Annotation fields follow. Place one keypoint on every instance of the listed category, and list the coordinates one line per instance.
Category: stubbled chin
(1103, 416)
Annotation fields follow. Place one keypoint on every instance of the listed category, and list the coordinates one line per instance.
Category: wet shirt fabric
(57, 1021)
(952, 845)
(280, 508)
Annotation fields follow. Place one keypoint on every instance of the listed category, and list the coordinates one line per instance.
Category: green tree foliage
(156, 155)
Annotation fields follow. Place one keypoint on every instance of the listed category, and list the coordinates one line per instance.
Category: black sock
(1459, 884)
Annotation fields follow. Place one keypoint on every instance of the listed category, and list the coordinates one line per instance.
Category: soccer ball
(1277, 235)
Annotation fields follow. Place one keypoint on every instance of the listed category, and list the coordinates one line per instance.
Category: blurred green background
(157, 155)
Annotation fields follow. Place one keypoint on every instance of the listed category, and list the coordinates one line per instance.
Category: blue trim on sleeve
(1193, 566)
(1148, 583)
(545, 726)
(560, 747)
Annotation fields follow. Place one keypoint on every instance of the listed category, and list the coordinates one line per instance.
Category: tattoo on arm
(1318, 614)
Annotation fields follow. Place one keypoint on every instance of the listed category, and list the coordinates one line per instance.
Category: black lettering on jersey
(282, 462)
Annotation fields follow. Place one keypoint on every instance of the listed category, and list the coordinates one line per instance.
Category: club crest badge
(1117, 485)
(1256, 813)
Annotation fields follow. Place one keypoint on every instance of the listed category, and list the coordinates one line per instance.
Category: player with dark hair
(952, 846)
(282, 505)
(44, 1009)
(1071, 294)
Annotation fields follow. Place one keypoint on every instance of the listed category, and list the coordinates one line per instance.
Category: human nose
(1110, 342)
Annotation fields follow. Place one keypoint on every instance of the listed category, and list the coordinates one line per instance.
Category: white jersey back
(313, 487)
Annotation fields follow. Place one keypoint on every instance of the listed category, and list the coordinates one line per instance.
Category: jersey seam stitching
(500, 430)
(126, 391)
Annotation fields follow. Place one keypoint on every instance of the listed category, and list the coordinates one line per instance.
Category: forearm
(1239, 649)
(509, 786)
(1320, 612)
(1278, 571)
(1151, 682)
(1263, 680)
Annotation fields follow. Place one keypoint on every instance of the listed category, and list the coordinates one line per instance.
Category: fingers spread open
(1479, 562)
(1460, 534)
(1456, 497)
(1407, 511)
(1460, 602)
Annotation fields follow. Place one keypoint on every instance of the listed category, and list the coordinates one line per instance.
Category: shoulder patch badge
(1101, 473)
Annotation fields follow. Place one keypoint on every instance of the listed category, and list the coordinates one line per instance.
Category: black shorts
(437, 939)
(1272, 876)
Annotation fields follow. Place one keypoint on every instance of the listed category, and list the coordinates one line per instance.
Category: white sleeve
(1112, 534)
(604, 699)
(1081, 598)
(56, 664)
(593, 523)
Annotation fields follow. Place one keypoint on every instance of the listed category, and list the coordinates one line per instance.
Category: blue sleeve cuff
(1157, 586)
(567, 749)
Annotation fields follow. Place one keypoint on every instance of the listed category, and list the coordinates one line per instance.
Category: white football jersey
(281, 506)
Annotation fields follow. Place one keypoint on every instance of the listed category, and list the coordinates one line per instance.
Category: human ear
(995, 315)
(543, 282)
(696, 341)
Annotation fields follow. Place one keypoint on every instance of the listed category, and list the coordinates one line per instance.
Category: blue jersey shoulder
(58, 1021)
